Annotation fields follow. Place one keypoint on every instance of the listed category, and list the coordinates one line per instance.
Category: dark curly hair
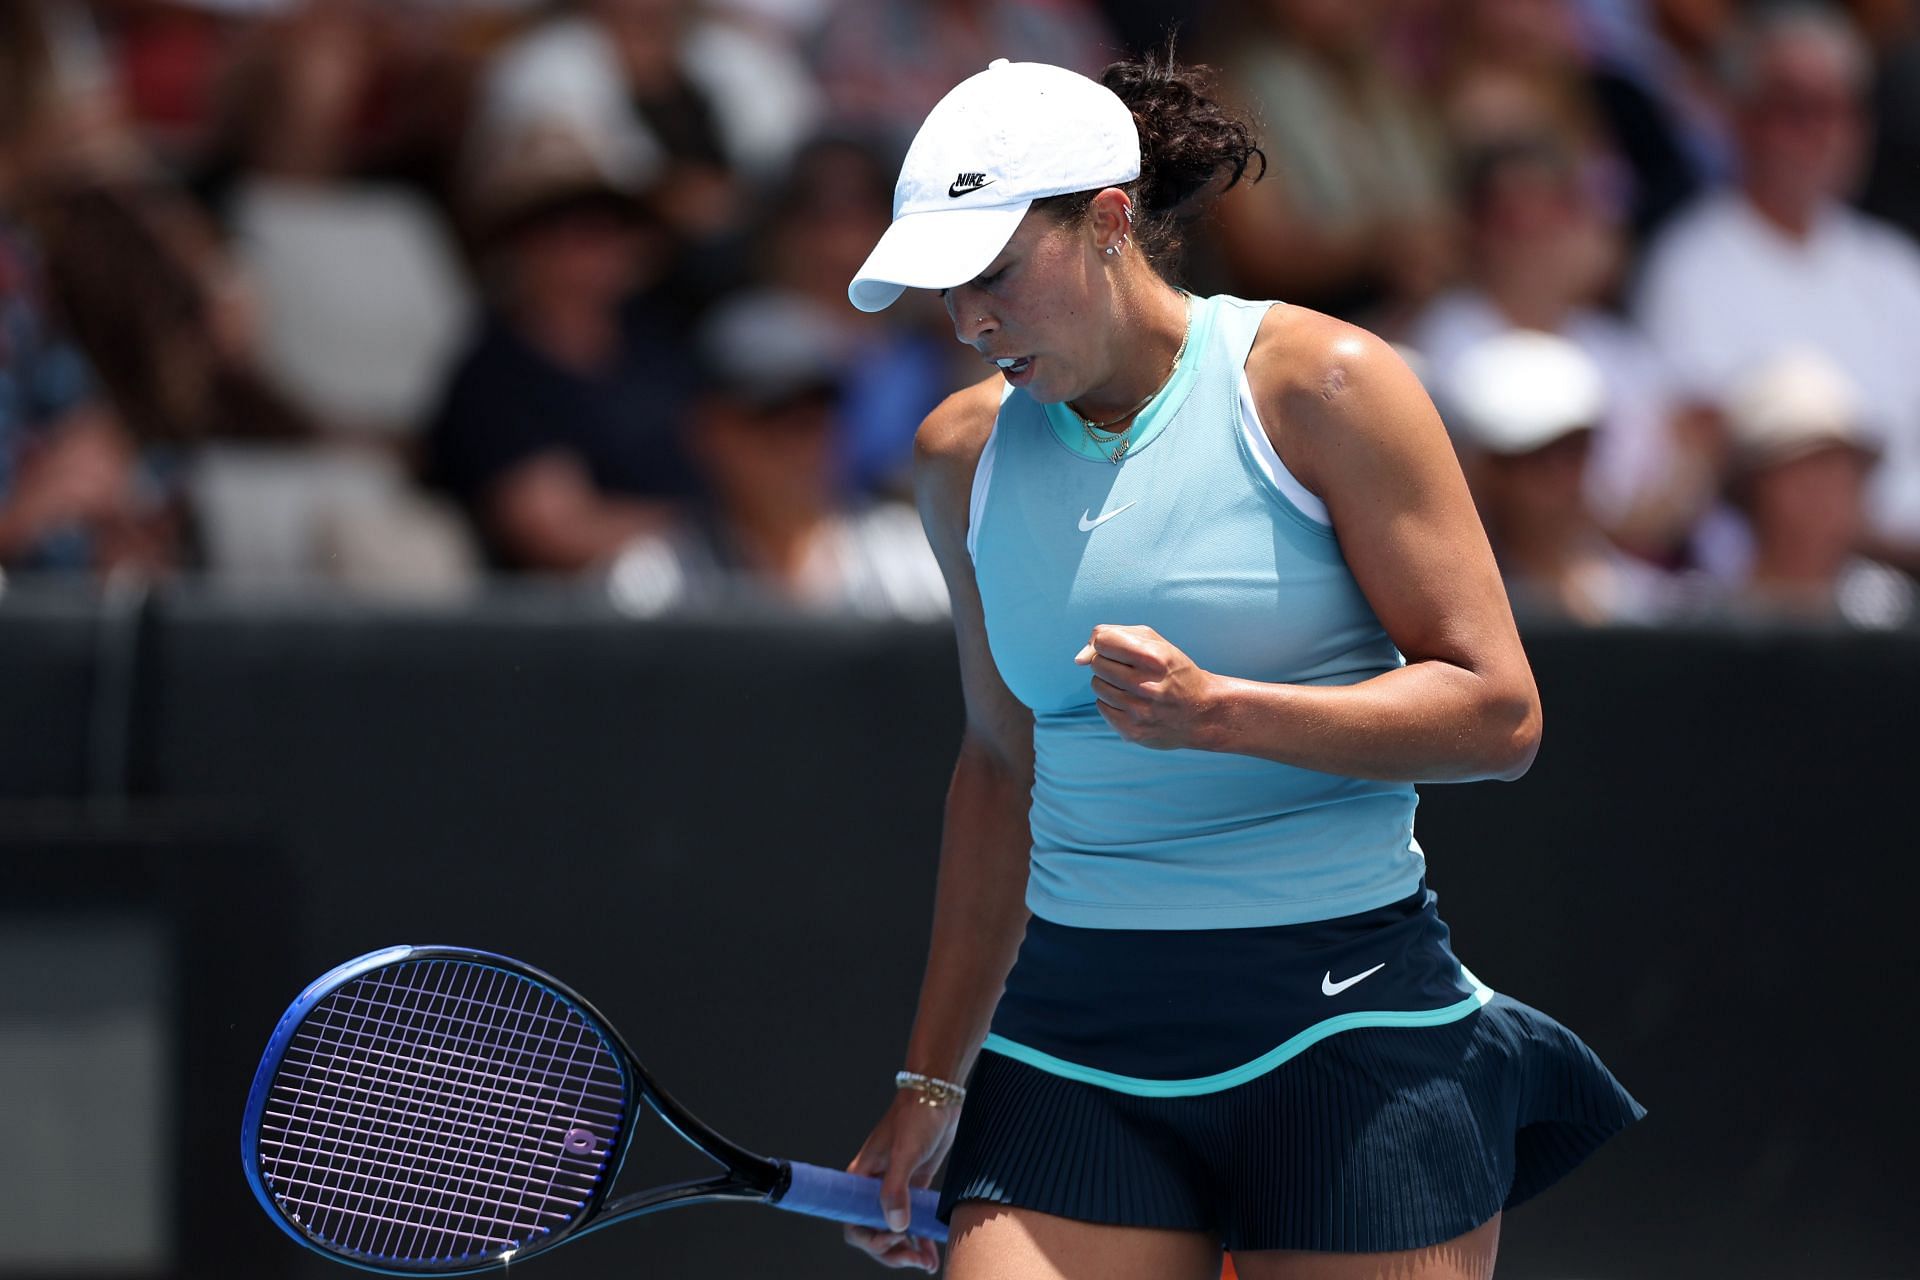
(1191, 150)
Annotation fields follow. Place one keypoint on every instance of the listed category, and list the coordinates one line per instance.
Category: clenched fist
(1147, 689)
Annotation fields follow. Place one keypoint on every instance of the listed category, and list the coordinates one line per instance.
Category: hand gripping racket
(440, 1110)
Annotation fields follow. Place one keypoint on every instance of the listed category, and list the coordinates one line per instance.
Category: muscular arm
(1355, 426)
(980, 904)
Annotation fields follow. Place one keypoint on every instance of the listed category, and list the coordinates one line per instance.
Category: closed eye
(985, 282)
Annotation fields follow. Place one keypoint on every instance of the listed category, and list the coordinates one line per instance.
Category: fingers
(1140, 647)
(893, 1249)
(1123, 645)
(871, 1161)
(1121, 676)
(903, 1151)
(1125, 700)
(894, 1202)
(1134, 728)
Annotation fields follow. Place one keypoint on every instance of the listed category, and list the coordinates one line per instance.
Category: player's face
(1039, 312)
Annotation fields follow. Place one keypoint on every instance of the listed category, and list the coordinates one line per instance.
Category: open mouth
(1014, 366)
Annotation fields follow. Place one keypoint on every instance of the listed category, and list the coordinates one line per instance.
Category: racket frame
(747, 1176)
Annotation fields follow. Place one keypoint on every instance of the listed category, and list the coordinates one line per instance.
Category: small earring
(1112, 249)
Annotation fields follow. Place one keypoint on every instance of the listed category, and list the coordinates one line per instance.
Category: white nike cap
(998, 141)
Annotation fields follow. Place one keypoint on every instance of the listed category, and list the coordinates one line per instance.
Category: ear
(1110, 217)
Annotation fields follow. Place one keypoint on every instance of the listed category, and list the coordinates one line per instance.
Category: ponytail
(1191, 150)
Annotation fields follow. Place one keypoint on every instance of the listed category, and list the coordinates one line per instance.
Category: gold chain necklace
(1089, 426)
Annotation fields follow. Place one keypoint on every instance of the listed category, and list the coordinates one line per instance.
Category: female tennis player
(1222, 599)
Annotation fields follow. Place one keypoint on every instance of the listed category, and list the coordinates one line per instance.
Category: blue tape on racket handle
(855, 1198)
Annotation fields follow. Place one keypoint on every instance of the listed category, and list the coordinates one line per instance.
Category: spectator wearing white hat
(560, 427)
(777, 526)
(1783, 261)
(1543, 253)
(814, 233)
(1801, 459)
(1523, 406)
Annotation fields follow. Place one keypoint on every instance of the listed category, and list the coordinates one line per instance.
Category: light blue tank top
(1194, 535)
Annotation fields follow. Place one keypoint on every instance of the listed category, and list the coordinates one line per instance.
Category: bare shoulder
(956, 431)
(1323, 386)
(946, 451)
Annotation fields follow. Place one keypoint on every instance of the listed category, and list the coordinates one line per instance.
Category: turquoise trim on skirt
(1373, 1139)
(1296, 1044)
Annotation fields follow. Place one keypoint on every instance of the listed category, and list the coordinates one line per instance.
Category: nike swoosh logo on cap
(959, 189)
(1329, 987)
(1088, 524)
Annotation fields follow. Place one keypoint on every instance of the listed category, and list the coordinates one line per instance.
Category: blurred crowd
(401, 294)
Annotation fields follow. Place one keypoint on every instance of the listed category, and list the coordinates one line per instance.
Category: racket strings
(477, 1139)
(321, 1047)
(376, 1132)
(374, 1135)
(505, 1161)
(435, 1110)
(501, 1183)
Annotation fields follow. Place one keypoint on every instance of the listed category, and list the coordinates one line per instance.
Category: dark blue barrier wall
(48, 648)
(724, 833)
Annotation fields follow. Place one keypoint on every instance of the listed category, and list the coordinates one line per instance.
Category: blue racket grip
(855, 1198)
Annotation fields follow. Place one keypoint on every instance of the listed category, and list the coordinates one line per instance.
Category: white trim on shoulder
(1270, 464)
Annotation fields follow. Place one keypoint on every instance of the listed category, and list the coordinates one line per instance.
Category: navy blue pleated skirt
(1369, 1138)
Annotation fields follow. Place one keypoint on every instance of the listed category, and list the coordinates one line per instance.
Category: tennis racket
(446, 1111)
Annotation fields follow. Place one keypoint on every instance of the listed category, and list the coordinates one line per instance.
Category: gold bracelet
(930, 1091)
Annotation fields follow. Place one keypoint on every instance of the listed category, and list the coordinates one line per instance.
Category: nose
(972, 318)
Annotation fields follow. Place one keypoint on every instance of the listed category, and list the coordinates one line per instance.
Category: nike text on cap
(997, 142)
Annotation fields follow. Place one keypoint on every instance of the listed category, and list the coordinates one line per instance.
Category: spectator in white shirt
(1541, 254)
(1782, 262)
(1800, 463)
